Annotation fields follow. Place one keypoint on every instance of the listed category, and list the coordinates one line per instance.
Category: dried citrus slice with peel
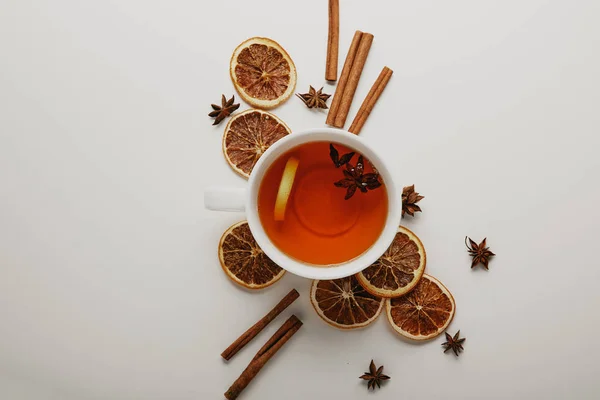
(424, 313)
(243, 261)
(248, 135)
(262, 72)
(285, 187)
(343, 303)
(399, 269)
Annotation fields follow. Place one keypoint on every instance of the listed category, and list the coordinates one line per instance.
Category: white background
(110, 287)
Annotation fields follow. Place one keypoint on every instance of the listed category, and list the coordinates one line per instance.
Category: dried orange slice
(343, 303)
(262, 72)
(248, 135)
(399, 269)
(423, 313)
(243, 261)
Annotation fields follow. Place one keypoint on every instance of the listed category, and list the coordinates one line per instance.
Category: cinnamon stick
(260, 325)
(283, 334)
(369, 101)
(353, 78)
(333, 39)
(339, 90)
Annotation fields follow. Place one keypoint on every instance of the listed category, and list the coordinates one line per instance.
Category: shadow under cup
(323, 236)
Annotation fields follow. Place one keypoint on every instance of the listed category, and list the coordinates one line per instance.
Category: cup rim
(298, 267)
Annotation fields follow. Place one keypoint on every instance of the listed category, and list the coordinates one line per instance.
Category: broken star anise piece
(410, 198)
(335, 156)
(314, 98)
(453, 343)
(374, 376)
(479, 252)
(355, 178)
(224, 110)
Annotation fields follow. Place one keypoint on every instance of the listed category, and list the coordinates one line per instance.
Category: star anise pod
(355, 178)
(479, 252)
(374, 376)
(314, 99)
(453, 343)
(221, 112)
(410, 198)
(335, 156)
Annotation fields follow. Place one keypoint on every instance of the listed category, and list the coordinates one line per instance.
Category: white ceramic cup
(245, 199)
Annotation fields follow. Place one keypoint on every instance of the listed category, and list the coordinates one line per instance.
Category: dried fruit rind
(399, 269)
(243, 260)
(344, 304)
(248, 135)
(423, 313)
(262, 72)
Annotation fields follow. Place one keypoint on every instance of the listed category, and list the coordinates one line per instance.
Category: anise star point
(410, 198)
(375, 376)
(314, 98)
(354, 175)
(355, 179)
(480, 252)
(224, 110)
(454, 343)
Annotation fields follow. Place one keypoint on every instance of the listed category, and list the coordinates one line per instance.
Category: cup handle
(225, 199)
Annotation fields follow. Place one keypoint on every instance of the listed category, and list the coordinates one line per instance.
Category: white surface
(110, 286)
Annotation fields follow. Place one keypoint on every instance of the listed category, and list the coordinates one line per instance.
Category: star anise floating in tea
(314, 98)
(224, 110)
(374, 376)
(479, 252)
(410, 198)
(355, 178)
(335, 156)
(453, 343)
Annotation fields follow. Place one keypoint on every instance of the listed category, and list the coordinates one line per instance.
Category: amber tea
(322, 203)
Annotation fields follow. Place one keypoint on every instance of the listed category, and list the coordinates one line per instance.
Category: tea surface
(320, 226)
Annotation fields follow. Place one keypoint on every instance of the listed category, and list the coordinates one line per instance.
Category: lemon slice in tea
(248, 135)
(343, 303)
(285, 188)
(423, 313)
(399, 269)
(244, 262)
